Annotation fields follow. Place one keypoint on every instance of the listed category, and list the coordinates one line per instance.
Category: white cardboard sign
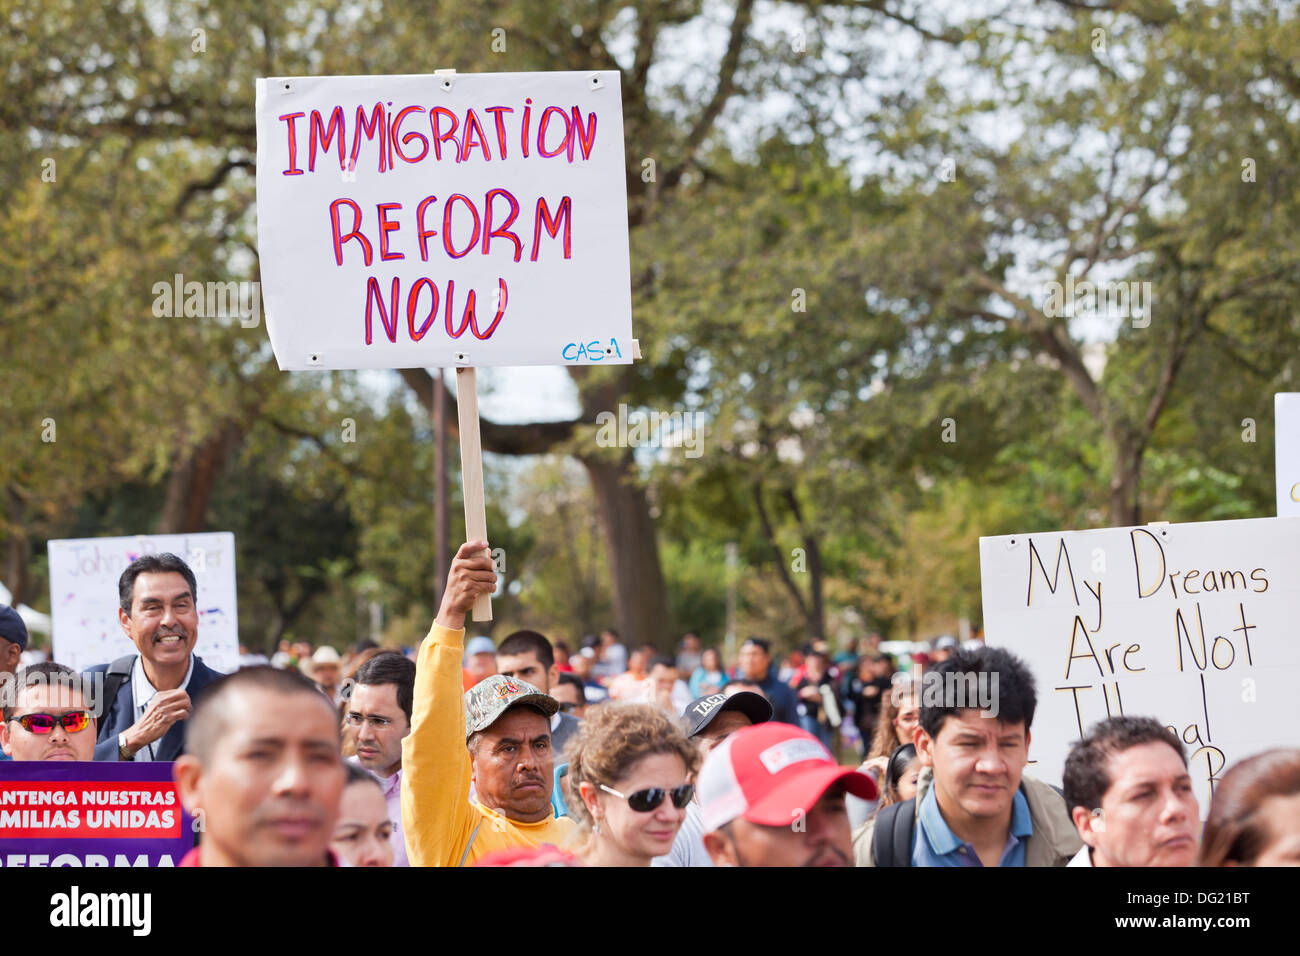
(443, 220)
(84, 602)
(1194, 624)
(1286, 422)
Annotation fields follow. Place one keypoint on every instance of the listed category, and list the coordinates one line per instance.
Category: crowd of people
(532, 752)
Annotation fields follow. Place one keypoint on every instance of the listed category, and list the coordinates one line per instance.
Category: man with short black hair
(46, 715)
(582, 664)
(670, 692)
(148, 696)
(1131, 797)
(973, 805)
(379, 700)
(528, 656)
(262, 772)
(812, 692)
(571, 695)
(756, 668)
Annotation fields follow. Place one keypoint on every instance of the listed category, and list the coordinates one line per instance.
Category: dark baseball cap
(701, 712)
(12, 627)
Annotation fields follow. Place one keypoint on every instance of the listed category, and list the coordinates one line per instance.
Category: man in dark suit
(148, 696)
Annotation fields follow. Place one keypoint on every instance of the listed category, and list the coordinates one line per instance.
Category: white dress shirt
(142, 692)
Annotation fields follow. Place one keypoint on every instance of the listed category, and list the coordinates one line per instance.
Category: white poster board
(434, 220)
(1194, 624)
(83, 595)
(1286, 421)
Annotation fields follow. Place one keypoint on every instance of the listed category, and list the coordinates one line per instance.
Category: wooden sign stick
(471, 472)
(471, 460)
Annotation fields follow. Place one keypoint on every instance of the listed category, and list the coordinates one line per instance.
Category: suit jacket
(121, 715)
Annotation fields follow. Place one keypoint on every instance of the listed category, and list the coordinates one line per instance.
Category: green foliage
(810, 277)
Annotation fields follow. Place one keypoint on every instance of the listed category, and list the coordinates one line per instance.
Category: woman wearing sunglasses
(630, 778)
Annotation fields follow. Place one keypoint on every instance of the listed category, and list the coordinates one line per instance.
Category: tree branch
(211, 183)
(1052, 340)
(721, 93)
(757, 490)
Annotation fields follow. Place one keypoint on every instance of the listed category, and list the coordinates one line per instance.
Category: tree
(1146, 198)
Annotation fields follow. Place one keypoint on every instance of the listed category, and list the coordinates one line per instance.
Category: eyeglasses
(73, 722)
(356, 720)
(643, 801)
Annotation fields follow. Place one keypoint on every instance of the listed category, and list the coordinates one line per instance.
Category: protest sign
(395, 214)
(1193, 624)
(1286, 421)
(84, 601)
(55, 813)
(443, 220)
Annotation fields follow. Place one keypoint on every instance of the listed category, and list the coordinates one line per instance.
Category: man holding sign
(497, 735)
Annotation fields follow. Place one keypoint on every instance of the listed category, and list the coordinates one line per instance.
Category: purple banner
(56, 813)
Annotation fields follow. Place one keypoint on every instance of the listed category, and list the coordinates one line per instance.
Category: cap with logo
(768, 774)
(702, 711)
(491, 697)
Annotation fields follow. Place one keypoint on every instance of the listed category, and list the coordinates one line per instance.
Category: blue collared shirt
(936, 845)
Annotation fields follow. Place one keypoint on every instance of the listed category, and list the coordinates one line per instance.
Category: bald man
(262, 772)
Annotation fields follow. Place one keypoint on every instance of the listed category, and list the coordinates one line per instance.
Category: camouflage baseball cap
(491, 697)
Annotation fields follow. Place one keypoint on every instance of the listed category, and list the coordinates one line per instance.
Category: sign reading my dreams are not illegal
(1192, 624)
(418, 221)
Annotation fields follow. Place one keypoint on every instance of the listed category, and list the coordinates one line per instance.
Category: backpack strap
(118, 673)
(892, 845)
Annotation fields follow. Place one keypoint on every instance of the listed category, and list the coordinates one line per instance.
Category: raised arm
(436, 814)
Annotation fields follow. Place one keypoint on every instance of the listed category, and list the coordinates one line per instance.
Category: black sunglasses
(643, 801)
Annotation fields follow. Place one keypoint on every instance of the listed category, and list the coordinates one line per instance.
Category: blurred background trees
(842, 250)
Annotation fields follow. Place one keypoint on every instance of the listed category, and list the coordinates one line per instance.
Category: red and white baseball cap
(769, 774)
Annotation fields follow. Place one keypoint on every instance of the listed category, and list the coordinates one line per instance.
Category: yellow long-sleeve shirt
(442, 827)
